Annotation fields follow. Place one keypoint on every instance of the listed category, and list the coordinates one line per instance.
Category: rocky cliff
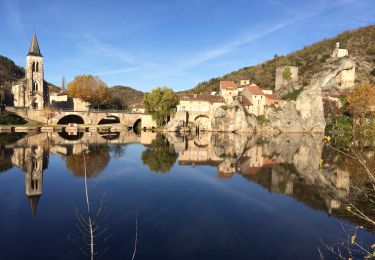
(305, 114)
(232, 118)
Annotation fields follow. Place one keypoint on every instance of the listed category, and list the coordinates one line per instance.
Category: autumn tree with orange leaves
(362, 102)
(89, 88)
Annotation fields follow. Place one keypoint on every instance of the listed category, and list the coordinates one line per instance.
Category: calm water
(219, 196)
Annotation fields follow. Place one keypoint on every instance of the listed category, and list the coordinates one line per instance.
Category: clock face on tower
(36, 76)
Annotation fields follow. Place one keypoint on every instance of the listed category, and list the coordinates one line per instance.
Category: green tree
(89, 88)
(160, 156)
(161, 104)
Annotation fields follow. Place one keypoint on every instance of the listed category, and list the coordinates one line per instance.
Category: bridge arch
(71, 137)
(110, 119)
(76, 119)
(202, 123)
(137, 126)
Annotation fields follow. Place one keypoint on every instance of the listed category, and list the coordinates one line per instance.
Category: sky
(173, 43)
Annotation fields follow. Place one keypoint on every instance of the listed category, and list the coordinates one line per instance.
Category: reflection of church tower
(32, 160)
(33, 182)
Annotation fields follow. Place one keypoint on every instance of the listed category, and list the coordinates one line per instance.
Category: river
(152, 196)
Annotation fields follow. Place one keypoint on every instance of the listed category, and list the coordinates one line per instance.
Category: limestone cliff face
(303, 115)
(232, 118)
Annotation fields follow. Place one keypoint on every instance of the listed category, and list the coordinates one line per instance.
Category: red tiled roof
(254, 89)
(271, 96)
(228, 84)
(202, 97)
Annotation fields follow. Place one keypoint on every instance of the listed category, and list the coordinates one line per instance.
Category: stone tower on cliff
(31, 92)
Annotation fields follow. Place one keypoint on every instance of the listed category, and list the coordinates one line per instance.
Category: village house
(138, 108)
(199, 102)
(228, 90)
(254, 99)
(338, 52)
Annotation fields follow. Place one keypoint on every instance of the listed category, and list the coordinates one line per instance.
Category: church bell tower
(35, 94)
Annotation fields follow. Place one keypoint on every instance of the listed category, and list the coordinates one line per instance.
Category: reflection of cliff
(286, 164)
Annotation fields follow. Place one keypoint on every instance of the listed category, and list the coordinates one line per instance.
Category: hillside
(310, 60)
(123, 97)
(9, 72)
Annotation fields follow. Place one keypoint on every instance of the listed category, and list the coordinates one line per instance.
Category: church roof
(33, 202)
(34, 47)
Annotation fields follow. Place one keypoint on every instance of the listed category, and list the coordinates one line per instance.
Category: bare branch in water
(136, 236)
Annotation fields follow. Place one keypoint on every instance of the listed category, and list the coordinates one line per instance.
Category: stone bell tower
(35, 94)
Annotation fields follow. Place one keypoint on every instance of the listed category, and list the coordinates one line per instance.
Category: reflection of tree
(97, 159)
(5, 159)
(160, 156)
(118, 150)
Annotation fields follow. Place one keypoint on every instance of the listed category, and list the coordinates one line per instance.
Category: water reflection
(283, 164)
(159, 156)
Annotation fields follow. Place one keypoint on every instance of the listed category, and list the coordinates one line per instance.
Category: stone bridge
(96, 118)
(90, 117)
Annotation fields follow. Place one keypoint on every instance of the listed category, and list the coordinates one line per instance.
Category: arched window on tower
(35, 86)
(37, 67)
(33, 67)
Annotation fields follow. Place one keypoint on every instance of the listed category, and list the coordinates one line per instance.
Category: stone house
(138, 108)
(199, 102)
(254, 98)
(228, 90)
(196, 108)
(281, 82)
(338, 52)
(32, 92)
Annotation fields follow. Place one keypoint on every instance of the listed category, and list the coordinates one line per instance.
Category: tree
(362, 102)
(161, 104)
(89, 88)
(49, 113)
(97, 158)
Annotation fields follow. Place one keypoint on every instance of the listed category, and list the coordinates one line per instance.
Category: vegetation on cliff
(123, 97)
(310, 60)
(9, 72)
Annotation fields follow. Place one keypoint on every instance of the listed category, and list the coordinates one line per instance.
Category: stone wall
(280, 82)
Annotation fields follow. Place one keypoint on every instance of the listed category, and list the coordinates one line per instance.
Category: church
(32, 92)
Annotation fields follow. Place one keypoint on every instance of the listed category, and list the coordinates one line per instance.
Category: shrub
(293, 95)
(10, 118)
(262, 119)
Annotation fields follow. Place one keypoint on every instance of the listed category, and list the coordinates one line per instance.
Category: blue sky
(174, 43)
